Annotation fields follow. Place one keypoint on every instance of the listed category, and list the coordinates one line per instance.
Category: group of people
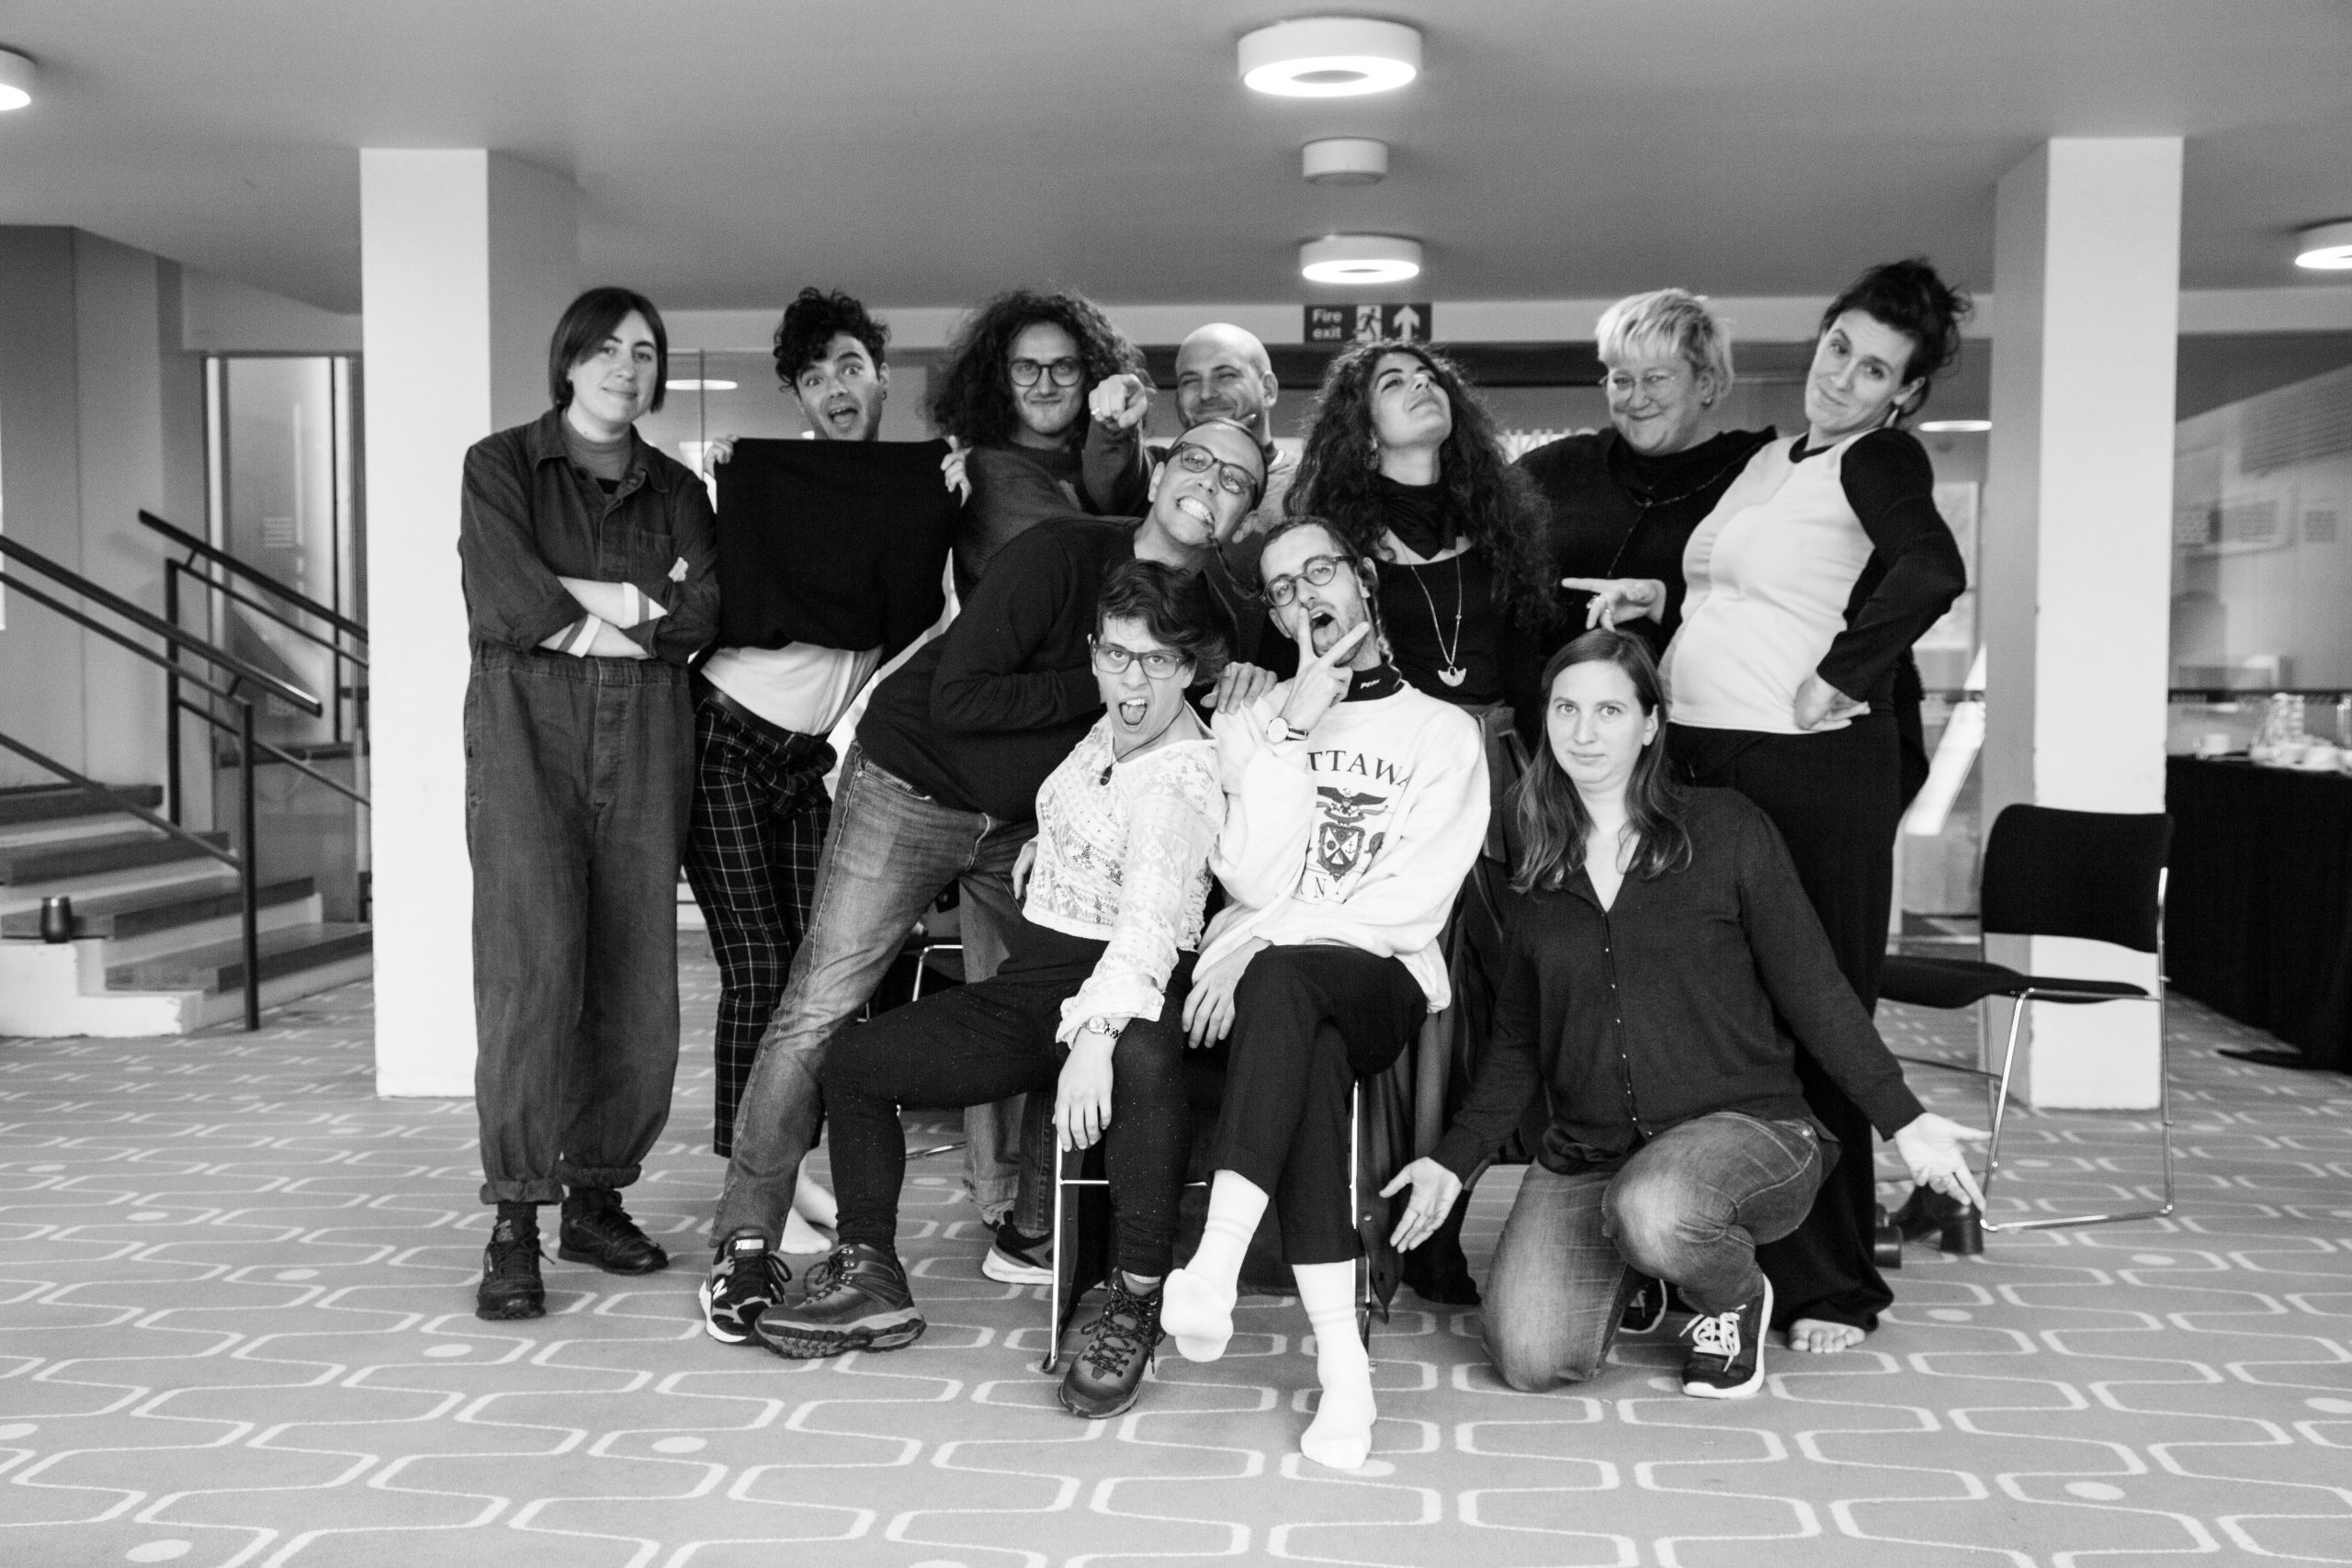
(1243, 768)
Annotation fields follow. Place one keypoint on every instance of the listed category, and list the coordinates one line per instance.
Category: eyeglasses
(1231, 478)
(1653, 383)
(1065, 372)
(1159, 663)
(1316, 570)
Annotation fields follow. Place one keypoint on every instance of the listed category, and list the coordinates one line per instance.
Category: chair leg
(1355, 1207)
(2164, 1129)
(1054, 1262)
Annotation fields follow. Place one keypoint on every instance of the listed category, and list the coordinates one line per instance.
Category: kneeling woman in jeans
(1659, 979)
(1087, 1005)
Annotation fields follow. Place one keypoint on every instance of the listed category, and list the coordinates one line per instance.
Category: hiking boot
(597, 1230)
(510, 1274)
(1726, 1358)
(1646, 1308)
(1018, 1259)
(857, 1300)
(1108, 1374)
(745, 1280)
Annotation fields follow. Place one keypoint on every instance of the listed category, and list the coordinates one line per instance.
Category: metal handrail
(219, 558)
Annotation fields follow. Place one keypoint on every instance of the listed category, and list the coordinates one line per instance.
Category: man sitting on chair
(1085, 1004)
(1355, 806)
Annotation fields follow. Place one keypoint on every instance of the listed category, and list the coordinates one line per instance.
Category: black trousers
(980, 1042)
(1837, 800)
(578, 773)
(1308, 1021)
(758, 826)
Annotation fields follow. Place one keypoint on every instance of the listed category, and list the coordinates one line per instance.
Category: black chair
(2093, 874)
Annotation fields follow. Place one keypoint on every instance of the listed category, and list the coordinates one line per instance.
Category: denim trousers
(891, 851)
(578, 776)
(1690, 1207)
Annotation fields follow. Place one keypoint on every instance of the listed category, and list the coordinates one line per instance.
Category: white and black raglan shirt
(1361, 834)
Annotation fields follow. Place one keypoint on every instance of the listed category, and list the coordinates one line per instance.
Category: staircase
(155, 947)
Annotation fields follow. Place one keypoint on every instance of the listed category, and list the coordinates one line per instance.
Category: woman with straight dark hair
(1663, 973)
(587, 558)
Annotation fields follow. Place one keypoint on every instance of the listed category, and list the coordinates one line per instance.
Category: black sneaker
(1646, 1308)
(857, 1300)
(1108, 1374)
(597, 1230)
(1726, 1357)
(510, 1274)
(1018, 1259)
(746, 1280)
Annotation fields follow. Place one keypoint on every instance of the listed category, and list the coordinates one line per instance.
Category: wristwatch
(1278, 730)
(1099, 1025)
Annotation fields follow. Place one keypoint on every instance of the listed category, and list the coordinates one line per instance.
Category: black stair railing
(242, 691)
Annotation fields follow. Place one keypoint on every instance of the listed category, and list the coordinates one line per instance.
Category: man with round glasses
(941, 785)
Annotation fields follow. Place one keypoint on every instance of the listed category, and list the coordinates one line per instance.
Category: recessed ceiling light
(1360, 258)
(1330, 57)
(1954, 426)
(694, 384)
(2325, 247)
(17, 74)
(1344, 161)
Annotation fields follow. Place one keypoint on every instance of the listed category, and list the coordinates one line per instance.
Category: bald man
(1222, 372)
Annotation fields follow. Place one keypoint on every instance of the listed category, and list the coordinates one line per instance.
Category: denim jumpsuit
(579, 777)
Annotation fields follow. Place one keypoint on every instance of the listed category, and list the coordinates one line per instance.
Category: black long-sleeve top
(527, 515)
(1687, 996)
(1914, 572)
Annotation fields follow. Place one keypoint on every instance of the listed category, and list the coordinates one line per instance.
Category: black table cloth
(2259, 910)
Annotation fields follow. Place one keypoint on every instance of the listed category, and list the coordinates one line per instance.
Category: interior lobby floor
(236, 1327)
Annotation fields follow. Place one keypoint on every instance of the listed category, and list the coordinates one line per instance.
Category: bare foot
(1823, 1337)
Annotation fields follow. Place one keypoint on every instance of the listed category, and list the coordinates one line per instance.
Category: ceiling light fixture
(1954, 426)
(1344, 161)
(2325, 247)
(1360, 258)
(17, 74)
(1330, 57)
(694, 384)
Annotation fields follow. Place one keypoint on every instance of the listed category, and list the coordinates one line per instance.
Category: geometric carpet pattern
(235, 1328)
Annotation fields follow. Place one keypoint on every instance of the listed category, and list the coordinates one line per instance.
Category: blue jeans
(1691, 1206)
(891, 851)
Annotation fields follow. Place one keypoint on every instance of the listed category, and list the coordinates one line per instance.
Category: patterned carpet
(235, 1328)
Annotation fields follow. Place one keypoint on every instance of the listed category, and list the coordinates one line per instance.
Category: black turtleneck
(1418, 515)
(1380, 681)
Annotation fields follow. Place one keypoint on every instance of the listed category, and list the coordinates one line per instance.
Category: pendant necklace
(1451, 673)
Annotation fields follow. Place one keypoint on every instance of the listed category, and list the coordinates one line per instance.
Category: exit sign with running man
(1366, 323)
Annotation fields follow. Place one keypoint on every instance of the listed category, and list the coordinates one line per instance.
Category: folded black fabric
(838, 543)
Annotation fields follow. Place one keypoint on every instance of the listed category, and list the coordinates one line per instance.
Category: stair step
(220, 965)
(123, 915)
(46, 803)
(86, 857)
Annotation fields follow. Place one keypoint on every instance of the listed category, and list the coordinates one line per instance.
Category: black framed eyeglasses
(1315, 569)
(1231, 478)
(1065, 372)
(1159, 663)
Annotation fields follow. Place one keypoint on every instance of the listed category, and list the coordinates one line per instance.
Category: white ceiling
(928, 151)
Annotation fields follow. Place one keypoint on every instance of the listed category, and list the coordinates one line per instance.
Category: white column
(2077, 554)
(466, 258)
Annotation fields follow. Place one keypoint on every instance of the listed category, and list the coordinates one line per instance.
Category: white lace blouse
(1123, 859)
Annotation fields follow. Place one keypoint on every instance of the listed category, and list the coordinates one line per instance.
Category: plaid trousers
(759, 815)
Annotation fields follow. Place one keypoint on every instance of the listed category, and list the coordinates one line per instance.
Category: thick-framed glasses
(1159, 663)
(1316, 570)
(1231, 478)
(1065, 372)
(1649, 383)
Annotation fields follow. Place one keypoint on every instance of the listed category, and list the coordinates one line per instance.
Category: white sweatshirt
(1361, 834)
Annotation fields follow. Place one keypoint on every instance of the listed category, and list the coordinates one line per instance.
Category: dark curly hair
(971, 397)
(1495, 503)
(1913, 299)
(813, 322)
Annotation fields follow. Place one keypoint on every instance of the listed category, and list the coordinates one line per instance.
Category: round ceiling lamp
(17, 74)
(1360, 258)
(1330, 57)
(2325, 247)
(1344, 161)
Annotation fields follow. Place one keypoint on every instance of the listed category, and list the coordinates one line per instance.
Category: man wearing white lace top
(1355, 806)
(1086, 1003)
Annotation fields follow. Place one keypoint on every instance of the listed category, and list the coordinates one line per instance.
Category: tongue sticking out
(1131, 712)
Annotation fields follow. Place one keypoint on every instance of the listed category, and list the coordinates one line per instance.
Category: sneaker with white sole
(1018, 1259)
(857, 1300)
(1727, 1359)
(745, 1280)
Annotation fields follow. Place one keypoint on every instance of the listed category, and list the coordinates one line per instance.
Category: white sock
(1340, 1434)
(1197, 1305)
(812, 1202)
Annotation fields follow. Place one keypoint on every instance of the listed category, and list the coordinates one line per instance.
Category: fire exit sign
(1363, 323)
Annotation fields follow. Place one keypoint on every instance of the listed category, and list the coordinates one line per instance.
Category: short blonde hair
(1664, 321)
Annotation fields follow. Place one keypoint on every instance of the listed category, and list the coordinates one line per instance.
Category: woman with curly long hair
(1012, 393)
